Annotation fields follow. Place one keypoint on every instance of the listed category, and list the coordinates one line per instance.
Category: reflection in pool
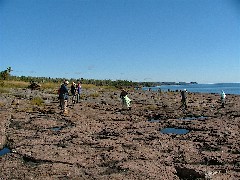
(56, 128)
(153, 120)
(194, 118)
(4, 151)
(174, 131)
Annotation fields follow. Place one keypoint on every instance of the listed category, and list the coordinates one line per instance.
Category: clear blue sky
(138, 40)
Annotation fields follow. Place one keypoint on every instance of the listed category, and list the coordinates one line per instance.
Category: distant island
(151, 84)
(177, 83)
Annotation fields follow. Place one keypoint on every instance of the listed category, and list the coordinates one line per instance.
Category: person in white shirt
(223, 96)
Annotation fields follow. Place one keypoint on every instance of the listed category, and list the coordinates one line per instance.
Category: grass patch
(4, 90)
(152, 107)
(15, 84)
(50, 85)
(110, 88)
(37, 101)
(89, 86)
(2, 104)
(54, 86)
(96, 94)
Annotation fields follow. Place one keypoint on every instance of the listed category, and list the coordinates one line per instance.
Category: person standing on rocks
(73, 92)
(63, 95)
(223, 96)
(184, 99)
(79, 89)
(126, 101)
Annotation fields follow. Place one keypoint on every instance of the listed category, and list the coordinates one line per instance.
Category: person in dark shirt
(79, 90)
(73, 92)
(184, 99)
(63, 96)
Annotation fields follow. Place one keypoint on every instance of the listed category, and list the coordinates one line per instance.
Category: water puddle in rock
(174, 131)
(194, 118)
(59, 128)
(153, 120)
(56, 128)
(4, 151)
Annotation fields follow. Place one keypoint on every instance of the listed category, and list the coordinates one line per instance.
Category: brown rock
(99, 140)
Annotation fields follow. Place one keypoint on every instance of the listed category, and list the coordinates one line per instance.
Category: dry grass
(91, 86)
(53, 87)
(95, 94)
(37, 101)
(4, 90)
(2, 104)
(15, 84)
(152, 107)
(50, 85)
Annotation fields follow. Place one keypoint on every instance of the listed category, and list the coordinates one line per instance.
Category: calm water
(4, 151)
(174, 131)
(228, 88)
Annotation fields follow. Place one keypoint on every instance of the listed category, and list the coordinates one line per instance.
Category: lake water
(228, 88)
(174, 131)
(4, 151)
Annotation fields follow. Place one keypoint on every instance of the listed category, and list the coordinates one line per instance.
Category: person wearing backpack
(63, 96)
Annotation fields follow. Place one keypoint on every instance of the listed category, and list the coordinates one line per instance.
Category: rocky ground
(99, 140)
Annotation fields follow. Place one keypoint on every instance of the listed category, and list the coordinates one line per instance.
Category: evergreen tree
(6, 73)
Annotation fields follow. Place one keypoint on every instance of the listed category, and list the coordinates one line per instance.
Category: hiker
(73, 92)
(79, 89)
(63, 96)
(223, 96)
(126, 101)
(184, 99)
(60, 103)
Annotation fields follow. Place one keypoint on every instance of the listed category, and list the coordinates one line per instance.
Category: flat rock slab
(98, 139)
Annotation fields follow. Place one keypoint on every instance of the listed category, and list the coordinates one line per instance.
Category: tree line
(6, 75)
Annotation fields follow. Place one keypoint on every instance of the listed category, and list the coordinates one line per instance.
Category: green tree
(6, 73)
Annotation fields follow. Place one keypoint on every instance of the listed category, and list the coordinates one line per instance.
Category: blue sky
(138, 40)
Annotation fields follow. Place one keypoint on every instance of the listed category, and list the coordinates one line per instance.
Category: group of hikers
(184, 99)
(76, 92)
(126, 101)
(64, 95)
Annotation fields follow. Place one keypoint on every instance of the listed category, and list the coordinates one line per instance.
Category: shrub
(1, 83)
(37, 101)
(96, 94)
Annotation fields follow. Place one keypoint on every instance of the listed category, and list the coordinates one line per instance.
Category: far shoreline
(228, 88)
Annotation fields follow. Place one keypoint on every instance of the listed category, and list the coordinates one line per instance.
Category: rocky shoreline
(99, 140)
